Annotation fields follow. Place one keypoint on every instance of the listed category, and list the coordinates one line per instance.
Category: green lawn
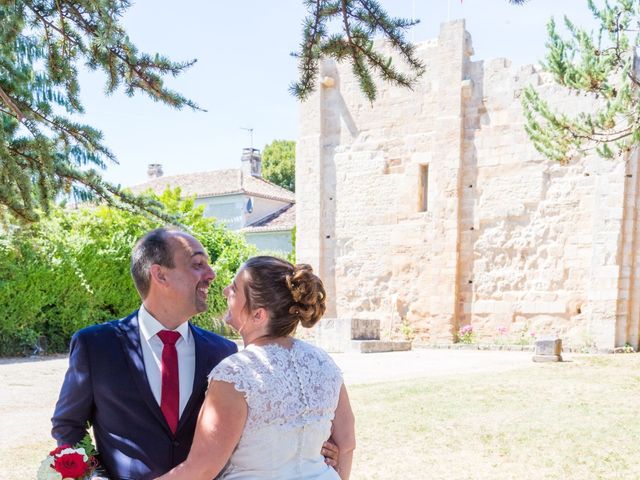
(574, 420)
(571, 420)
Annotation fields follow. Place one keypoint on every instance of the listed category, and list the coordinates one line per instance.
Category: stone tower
(431, 206)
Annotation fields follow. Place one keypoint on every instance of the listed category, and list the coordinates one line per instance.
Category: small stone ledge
(378, 346)
(475, 346)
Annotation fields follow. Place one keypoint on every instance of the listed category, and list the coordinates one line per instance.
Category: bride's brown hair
(291, 294)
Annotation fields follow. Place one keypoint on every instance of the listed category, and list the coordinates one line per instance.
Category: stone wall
(508, 239)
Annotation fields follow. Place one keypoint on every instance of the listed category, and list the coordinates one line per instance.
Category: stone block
(337, 334)
(533, 307)
(362, 329)
(333, 334)
(379, 346)
(547, 358)
(548, 350)
(549, 347)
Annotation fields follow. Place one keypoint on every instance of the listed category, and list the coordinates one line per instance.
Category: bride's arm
(220, 425)
(343, 434)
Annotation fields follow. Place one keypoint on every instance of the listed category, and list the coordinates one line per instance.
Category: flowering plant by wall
(466, 335)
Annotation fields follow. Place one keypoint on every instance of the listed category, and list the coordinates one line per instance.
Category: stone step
(363, 329)
(378, 346)
(353, 335)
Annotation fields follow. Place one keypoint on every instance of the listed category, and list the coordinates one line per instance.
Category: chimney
(154, 170)
(251, 162)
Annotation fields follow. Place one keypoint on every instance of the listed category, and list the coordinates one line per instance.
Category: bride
(270, 407)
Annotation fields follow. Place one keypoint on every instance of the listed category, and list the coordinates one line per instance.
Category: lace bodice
(292, 395)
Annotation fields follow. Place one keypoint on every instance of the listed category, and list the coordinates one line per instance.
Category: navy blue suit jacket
(106, 385)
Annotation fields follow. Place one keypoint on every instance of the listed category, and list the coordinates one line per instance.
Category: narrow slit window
(423, 203)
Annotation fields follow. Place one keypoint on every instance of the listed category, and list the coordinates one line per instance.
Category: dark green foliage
(279, 163)
(44, 152)
(71, 270)
(600, 66)
(359, 21)
(292, 254)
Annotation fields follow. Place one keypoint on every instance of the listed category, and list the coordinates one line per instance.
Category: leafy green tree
(71, 270)
(279, 163)
(601, 67)
(292, 255)
(45, 152)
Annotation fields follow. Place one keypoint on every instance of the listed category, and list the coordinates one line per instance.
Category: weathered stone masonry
(508, 239)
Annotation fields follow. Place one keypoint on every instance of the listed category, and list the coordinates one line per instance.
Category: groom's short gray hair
(154, 248)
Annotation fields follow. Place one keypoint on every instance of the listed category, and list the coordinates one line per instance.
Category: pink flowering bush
(466, 335)
(503, 336)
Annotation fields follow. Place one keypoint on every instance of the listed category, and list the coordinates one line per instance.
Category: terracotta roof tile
(215, 183)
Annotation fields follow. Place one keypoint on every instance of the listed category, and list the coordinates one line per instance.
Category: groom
(140, 381)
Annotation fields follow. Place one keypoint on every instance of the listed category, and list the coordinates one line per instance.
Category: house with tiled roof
(240, 198)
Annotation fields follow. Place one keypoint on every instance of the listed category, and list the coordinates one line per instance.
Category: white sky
(244, 70)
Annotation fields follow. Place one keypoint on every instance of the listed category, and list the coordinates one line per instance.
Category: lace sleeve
(230, 370)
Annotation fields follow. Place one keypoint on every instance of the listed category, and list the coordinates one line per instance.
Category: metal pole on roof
(250, 130)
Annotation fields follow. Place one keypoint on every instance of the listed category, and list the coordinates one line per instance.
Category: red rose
(59, 449)
(70, 465)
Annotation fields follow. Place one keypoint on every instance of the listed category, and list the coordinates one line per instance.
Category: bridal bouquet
(70, 463)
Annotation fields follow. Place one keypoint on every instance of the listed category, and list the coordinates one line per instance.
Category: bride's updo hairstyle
(291, 294)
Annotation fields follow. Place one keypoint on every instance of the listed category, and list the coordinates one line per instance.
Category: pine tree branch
(360, 20)
(8, 101)
(82, 138)
(309, 65)
(62, 29)
(604, 67)
(47, 25)
(347, 30)
(396, 39)
(148, 84)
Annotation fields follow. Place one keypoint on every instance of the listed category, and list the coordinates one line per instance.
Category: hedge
(71, 270)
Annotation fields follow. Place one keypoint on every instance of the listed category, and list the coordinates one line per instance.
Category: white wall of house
(271, 241)
(263, 207)
(232, 209)
(228, 209)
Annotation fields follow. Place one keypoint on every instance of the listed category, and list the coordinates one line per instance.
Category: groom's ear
(158, 273)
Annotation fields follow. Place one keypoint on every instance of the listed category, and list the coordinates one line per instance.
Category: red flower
(70, 465)
(59, 449)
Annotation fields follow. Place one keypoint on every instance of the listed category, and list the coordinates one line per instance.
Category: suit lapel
(129, 335)
(199, 377)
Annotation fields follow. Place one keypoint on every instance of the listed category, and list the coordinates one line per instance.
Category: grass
(574, 420)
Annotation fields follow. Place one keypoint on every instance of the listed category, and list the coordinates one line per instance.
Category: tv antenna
(250, 130)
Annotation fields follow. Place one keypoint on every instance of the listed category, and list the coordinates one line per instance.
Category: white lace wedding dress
(292, 396)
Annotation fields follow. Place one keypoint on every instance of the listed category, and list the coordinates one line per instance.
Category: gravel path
(30, 390)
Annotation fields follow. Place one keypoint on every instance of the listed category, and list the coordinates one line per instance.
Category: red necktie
(170, 397)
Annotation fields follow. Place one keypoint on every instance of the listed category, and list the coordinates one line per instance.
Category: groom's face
(191, 276)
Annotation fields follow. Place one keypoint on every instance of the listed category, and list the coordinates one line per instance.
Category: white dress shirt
(152, 354)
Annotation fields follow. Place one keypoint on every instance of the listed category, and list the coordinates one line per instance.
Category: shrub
(71, 270)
